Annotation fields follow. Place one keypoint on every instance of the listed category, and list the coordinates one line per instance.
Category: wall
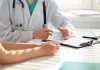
(66, 5)
(96, 5)
(0, 2)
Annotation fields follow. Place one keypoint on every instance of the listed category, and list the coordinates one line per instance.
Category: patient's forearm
(15, 46)
(13, 56)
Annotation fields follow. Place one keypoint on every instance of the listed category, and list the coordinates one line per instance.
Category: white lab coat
(10, 19)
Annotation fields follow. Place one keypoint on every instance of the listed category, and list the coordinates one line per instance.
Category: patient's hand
(50, 48)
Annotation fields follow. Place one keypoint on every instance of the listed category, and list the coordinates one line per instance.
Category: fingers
(50, 48)
(48, 30)
(55, 44)
(46, 33)
(67, 37)
(65, 32)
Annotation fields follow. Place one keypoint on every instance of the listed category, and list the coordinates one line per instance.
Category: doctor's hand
(65, 32)
(42, 33)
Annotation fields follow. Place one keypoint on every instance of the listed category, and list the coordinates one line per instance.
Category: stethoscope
(44, 12)
(20, 2)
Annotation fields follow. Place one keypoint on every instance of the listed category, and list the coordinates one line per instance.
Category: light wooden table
(87, 54)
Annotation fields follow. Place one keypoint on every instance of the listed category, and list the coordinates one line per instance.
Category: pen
(94, 38)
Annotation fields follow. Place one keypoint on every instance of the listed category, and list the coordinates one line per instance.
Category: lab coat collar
(26, 10)
(36, 11)
(41, 0)
(37, 8)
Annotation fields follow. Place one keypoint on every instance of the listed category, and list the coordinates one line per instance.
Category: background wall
(67, 5)
(96, 5)
(0, 2)
(79, 21)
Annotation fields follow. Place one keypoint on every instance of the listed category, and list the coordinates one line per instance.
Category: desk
(87, 54)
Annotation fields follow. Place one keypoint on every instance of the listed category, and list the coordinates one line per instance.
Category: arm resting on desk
(18, 55)
(15, 46)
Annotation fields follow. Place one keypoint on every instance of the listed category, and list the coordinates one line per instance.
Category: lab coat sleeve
(55, 17)
(6, 26)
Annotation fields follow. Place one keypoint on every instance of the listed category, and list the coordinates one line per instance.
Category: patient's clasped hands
(49, 48)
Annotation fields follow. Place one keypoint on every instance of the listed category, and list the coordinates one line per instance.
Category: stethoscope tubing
(44, 12)
(20, 2)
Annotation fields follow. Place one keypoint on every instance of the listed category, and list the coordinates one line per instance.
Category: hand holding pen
(42, 33)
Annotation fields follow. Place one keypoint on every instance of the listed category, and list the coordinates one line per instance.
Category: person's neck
(30, 1)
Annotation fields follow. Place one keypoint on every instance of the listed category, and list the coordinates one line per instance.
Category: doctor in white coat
(17, 24)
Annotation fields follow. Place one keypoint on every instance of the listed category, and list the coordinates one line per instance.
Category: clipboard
(74, 42)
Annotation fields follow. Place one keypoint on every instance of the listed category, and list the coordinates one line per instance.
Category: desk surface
(87, 54)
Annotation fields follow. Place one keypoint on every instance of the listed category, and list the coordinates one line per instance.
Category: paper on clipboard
(76, 42)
